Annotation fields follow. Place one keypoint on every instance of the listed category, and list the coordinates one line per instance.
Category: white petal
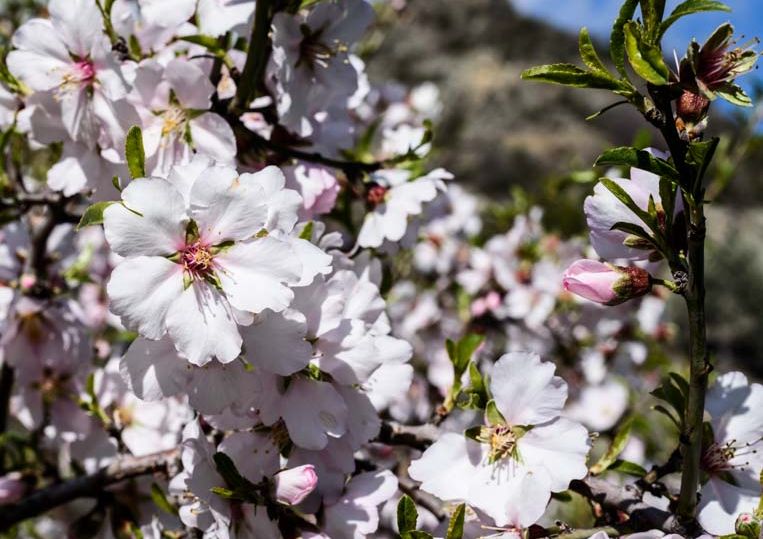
(226, 206)
(153, 369)
(519, 502)
(526, 390)
(160, 227)
(254, 274)
(456, 454)
(213, 136)
(276, 342)
(721, 502)
(201, 324)
(313, 411)
(41, 59)
(191, 86)
(141, 291)
(255, 454)
(559, 448)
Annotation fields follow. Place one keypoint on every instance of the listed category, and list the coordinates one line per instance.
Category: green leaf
(633, 157)
(617, 446)
(406, 514)
(664, 411)
(645, 59)
(460, 353)
(622, 195)
(208, 42)
(651, 12)
(417, 534)
(456, 524)
(571, 75)
(627, 467)
(687, 8)
(668, 200)
(94, 214)
(223, 492)
(135, 154)
(588, 53)
(161, 501)
(632, 229)
(617, 37)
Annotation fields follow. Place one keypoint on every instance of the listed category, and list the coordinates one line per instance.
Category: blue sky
(597, 15)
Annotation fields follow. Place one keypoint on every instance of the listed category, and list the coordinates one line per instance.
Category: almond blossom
(509, 466)
(198, 258)
(732, 460)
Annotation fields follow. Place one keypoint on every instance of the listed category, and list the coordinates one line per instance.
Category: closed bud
(605, 283)
(293, 485)
(748, 525)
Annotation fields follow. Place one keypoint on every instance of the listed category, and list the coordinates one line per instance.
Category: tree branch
(628, 500)
(88, 486)
(415, 436)
(251, 79)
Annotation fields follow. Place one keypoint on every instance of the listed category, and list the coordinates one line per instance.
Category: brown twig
(88, 486)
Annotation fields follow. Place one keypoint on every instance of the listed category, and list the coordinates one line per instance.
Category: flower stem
(691, 437)
(252, 77)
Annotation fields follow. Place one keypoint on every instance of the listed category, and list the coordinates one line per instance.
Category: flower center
(376, 195)
(502, 441)
(174, 120)
(313, 51)
(197, 260)
(716, 459)
(84, 71)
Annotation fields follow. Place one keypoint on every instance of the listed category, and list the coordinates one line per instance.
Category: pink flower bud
(12, 488)
(605, 283)
(27, 281)
(293, 485)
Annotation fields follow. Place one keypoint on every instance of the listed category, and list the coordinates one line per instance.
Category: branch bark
(415, 436)
(628, 499)
(88, 486)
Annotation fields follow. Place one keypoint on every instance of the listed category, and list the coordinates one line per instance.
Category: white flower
(356, 514)
(600, 406)
(219, 16)
(199, 257)
(733, 461)
(523, 453)
(393, 200)
(603, 209)
(152, 22)
(309, 67)
(70, 56)
(174, 103)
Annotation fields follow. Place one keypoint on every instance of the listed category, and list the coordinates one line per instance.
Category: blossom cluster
(225, 254)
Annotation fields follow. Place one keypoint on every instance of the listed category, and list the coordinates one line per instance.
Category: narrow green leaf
(134, 152)
(161, 501)
(227, 469)
(223, 492)
(588, 53)
(664, 411)
(417, 534)
(465, 348)
(406, 514)
(687, 8)
(617, 446)
(633, 229)
(627, 467)
(633, 157)
(208, 42)
(623, 196)
(645, 59)
(571, 75)
(617, 37)
(94, 214)
(456, 524)
(681, 383)
(668, 200)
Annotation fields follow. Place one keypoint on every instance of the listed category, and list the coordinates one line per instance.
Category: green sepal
(634, 157)
(493, 415)
(134, 153)
(94, 214)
